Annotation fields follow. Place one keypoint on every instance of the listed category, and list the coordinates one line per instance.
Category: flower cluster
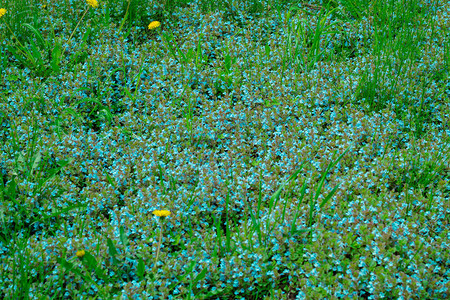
(154, 25)
(93, 3)
(161, 213)
(80, 253)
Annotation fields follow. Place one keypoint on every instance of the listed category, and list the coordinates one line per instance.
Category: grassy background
(302, 148)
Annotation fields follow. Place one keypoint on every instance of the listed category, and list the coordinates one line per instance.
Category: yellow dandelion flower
(92, 3)
(2, 12)
(161, 213)
(80, 253)
(154, 25)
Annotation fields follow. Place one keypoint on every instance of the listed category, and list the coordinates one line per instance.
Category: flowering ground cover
(230, 149)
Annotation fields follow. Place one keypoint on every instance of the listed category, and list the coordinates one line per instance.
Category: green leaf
(219, 236)
(38, 35)
(276, 195)
(199, 277)
(267, 50)
(198, 57)
(319, 188)
(188, 271)
(168, 39)
(90, 261)
(184, 58)
(180, 278)
(302, 195)
(123, 21)
(36, 160)
(73, 112)
(127, 92)
(62, 211)
(20, 53)
(329, 195)
(56, 56)
(300, 231)
(12, 190)
(177, 240)
(330, 166)
(112, 251)
(52, 172)
(256, 224)
(68, 266)
(228, 233)
(85, 36)
(110, 180)
(123, 237)
(241, 240)
(37, 55)
(189, 55)
(141, 268)
(228, 63)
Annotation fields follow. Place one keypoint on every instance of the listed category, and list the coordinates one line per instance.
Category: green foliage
(248, 219)
(303, 48)
(40, 56)
(17, 214)
(18, 13)
(128, 11)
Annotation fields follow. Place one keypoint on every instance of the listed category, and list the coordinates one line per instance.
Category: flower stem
(77, 25)
(157, 251)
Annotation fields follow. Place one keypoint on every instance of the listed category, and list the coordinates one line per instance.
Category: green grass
(103, 121)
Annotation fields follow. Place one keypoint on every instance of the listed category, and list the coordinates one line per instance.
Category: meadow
(228, 149)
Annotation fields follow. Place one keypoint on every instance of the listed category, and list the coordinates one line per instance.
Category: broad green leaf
(123, 236)
(56, 56)
(200, 276)
(112, 251)
(111, 248)
(141, 268)
(38, 35)
(85, 36)
(68, 266)
(90, 262)
(19, 54)
(38, 60)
